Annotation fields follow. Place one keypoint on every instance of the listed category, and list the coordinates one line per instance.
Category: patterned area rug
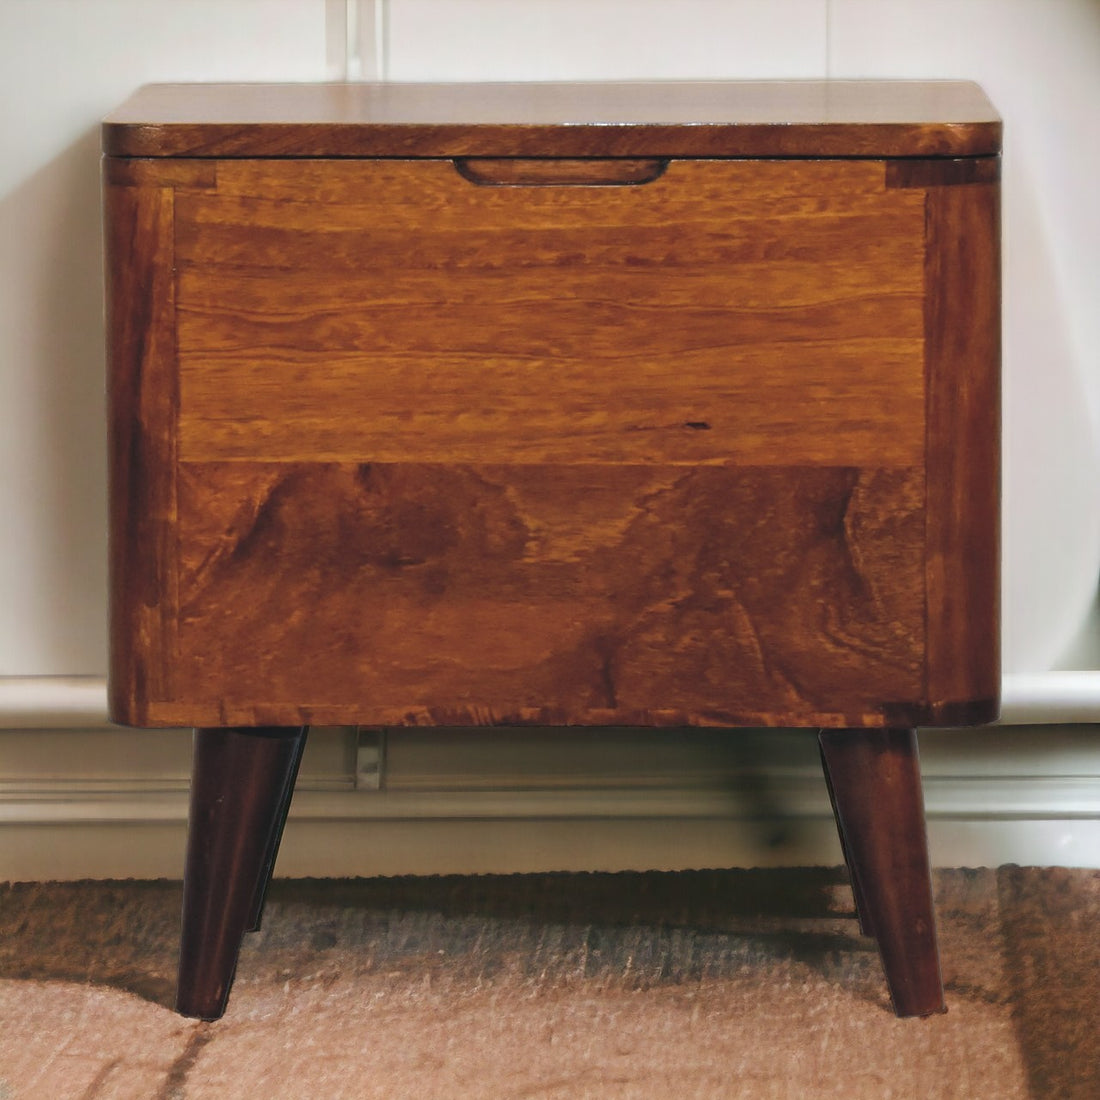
(708, 984)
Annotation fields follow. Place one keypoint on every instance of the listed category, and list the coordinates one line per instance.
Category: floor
(694, 984)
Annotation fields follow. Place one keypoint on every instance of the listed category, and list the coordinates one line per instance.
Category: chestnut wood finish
(705, 596)
(277, 817)
(788, 118)
(142, 389)
(240, 792)
(557, 404)
(963, 342)
(874, 780)
(789, 298)
(510, 457)
(863, 916)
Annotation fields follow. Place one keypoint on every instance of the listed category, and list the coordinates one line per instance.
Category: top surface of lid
(859, 118)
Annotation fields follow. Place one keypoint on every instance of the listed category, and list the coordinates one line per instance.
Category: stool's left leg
(240, 791)
(874, 776)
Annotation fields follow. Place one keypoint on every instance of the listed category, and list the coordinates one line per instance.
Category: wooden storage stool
(558, 404)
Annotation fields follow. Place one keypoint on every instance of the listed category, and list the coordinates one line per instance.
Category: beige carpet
(747, 984)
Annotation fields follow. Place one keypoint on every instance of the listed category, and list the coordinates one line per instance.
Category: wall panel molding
(67, 702)
(93, 800)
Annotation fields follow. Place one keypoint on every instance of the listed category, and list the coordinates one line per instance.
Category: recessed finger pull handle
(560, 172)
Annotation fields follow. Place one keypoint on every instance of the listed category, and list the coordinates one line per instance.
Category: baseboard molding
(112, 803)
(66, 702)
(53, 702)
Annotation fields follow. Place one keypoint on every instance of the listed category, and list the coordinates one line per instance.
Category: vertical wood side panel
(963, 367)
(143, 403)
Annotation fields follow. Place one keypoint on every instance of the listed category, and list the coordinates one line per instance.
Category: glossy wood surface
(241, 785)
(679, 426)
(963, 349)
(670, 119)
(290, 757)
(530, 419)
(142, 390)
(729, 312)
(614, 595)
(874, 779)
(563, 442)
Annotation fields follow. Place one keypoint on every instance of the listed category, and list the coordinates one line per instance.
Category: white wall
(64, 63)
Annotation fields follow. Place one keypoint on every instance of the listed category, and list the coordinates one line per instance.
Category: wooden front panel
(728, 312)
(619, 594)
(456, 453)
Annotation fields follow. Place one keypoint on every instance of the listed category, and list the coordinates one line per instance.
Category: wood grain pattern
(726, 313)
(455, 453)
(198, 175)
(794, 118)
(771, 188)
(142, 399)
(942, 171)
(632, 440)
(609, 595)
(963, 319)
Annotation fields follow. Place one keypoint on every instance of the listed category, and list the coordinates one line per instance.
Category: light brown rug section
(749, 984)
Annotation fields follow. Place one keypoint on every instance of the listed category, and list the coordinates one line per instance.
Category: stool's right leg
(241, 784)
(264, 881)
(862, 910)
(876, 788)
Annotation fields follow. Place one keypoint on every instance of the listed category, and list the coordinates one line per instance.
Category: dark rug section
(637, 930)
(1050, 928)
(640, 929)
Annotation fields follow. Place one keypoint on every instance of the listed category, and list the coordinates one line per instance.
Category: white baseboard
(108, 802)
(66, 702)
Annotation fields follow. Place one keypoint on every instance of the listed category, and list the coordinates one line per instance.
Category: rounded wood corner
(965, 712)
(981, 711)
(123, 711)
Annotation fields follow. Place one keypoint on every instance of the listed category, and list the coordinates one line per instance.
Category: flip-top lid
(785, 118)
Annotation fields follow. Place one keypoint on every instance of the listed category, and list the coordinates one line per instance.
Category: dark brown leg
(857, 893)
(240, 791)
(253, 924)
(876, 788)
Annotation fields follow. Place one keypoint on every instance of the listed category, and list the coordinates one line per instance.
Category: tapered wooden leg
(240, 791)
(857, 893)
(253, 924)
(875, 782)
